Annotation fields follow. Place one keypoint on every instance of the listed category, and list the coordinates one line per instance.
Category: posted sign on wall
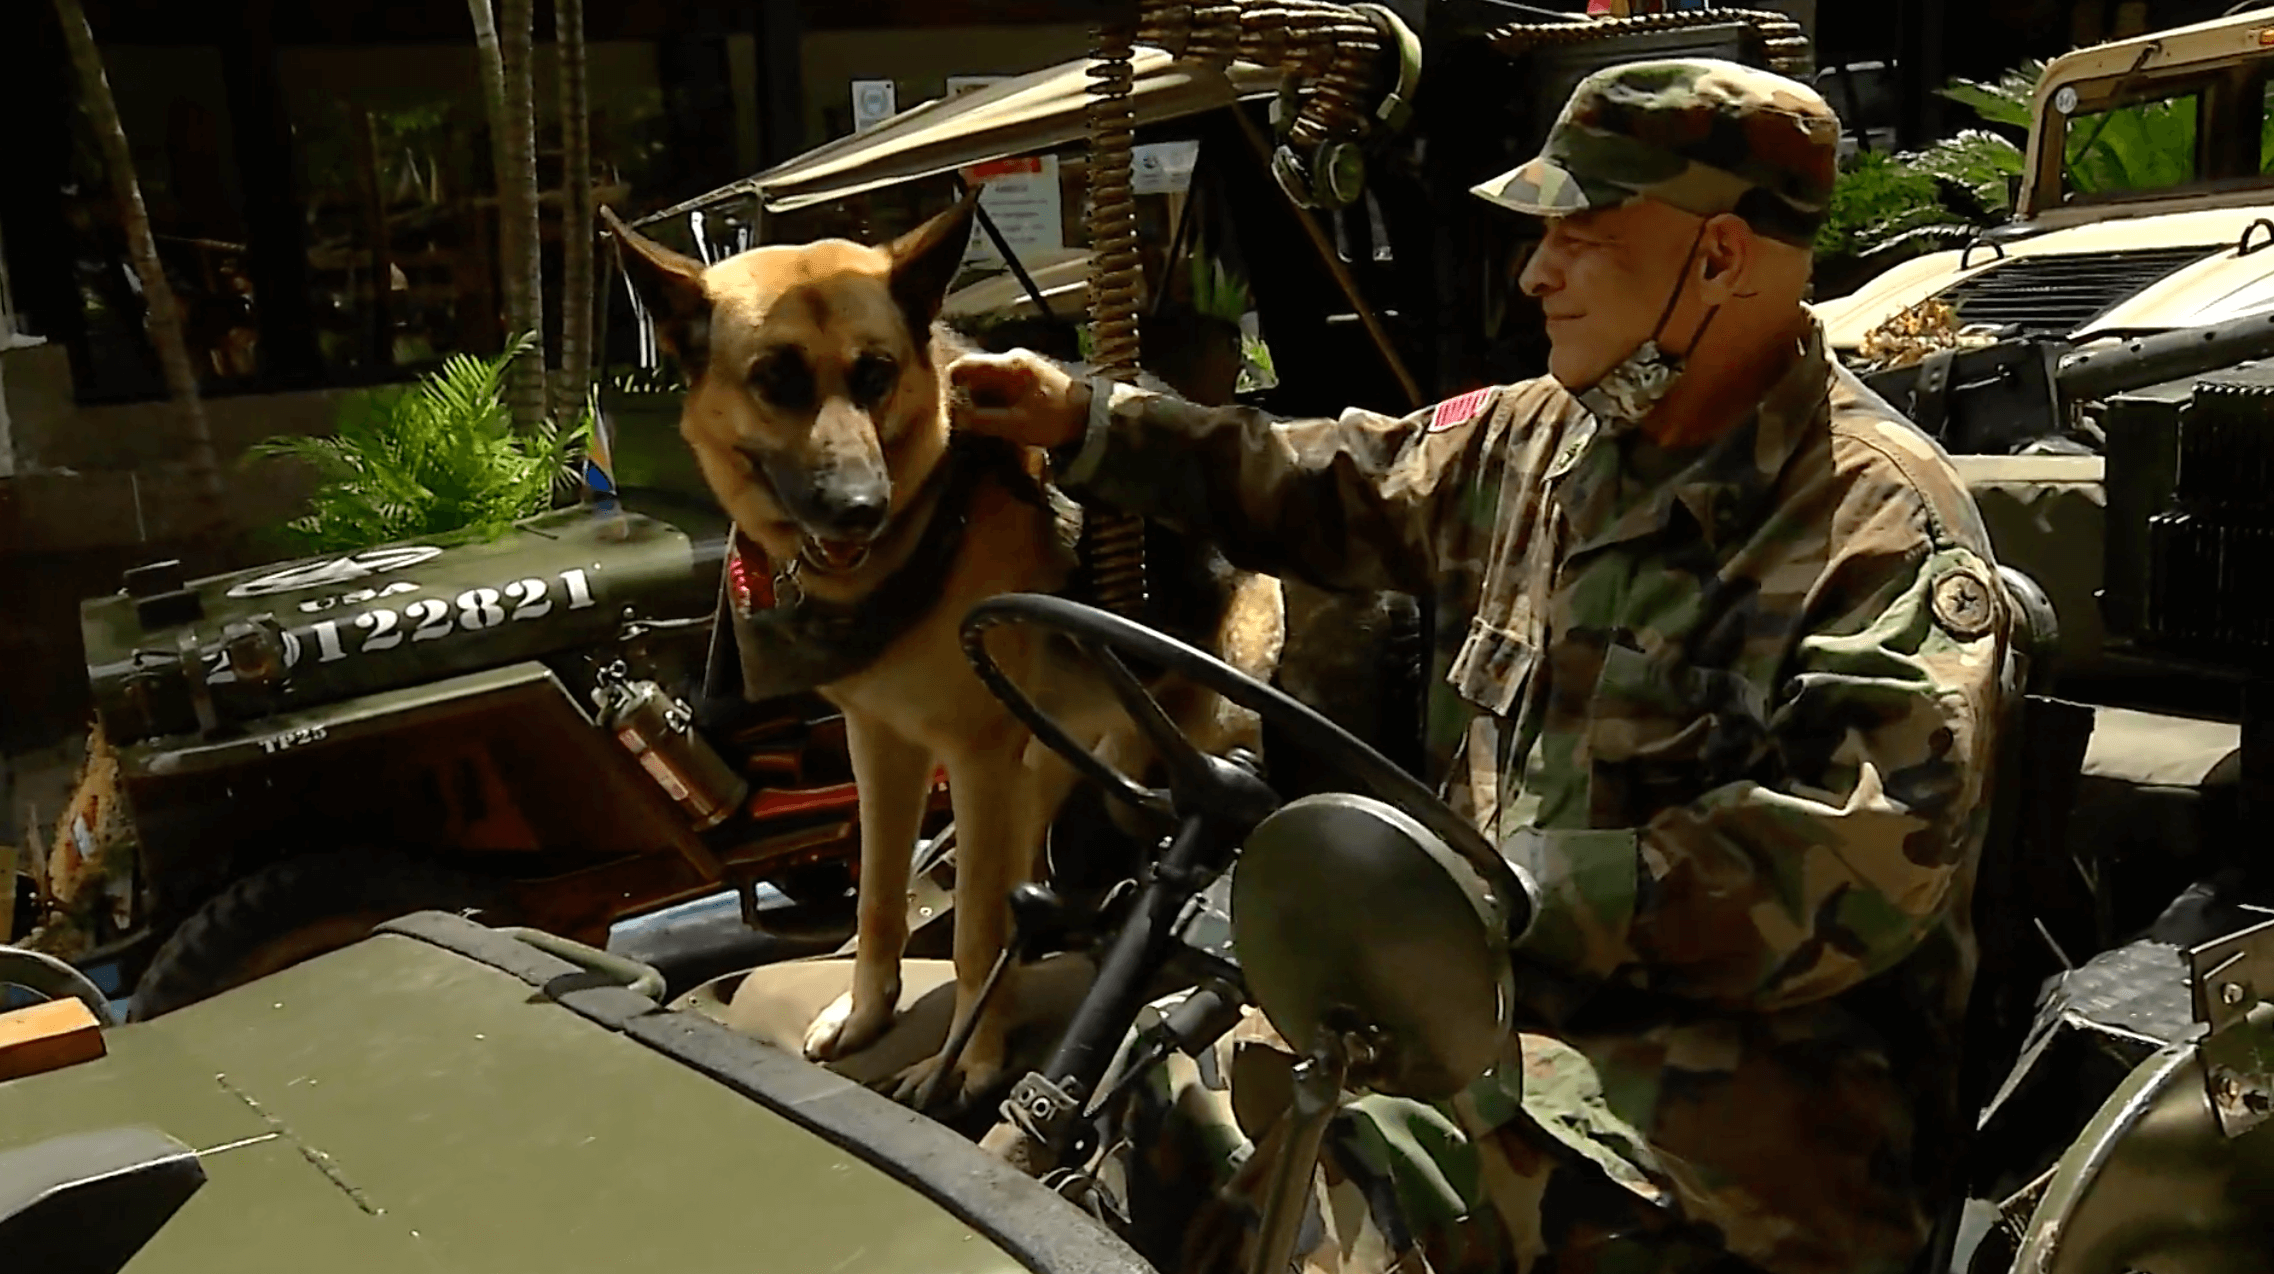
(1022, 199)
(874, 101)
(1162, 168)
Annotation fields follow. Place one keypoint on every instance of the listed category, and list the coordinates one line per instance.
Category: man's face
(1603, 278)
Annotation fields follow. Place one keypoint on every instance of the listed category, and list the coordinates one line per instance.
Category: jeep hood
(2135, 274)
(345, 625)
(406, 1108)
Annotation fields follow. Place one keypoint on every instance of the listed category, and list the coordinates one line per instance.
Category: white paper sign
(1021, 197)
(873, 102)
(1163, 168)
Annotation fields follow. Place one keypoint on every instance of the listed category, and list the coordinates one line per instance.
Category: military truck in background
(2035, 355)
(2101, 368)
(2145, 198)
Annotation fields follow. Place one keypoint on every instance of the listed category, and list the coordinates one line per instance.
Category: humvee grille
(2056, 295)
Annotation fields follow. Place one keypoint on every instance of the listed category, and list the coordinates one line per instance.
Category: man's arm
(1354, 502)
(1760, 897)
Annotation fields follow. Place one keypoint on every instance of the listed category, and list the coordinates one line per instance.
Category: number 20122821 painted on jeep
(429, 619)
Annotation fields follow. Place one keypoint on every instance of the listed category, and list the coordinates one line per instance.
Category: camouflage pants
(1404, 1186)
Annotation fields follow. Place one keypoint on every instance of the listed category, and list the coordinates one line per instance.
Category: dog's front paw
(848, 1025)
(976, 1072)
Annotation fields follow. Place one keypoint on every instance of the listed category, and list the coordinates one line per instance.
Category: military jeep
(519, 725)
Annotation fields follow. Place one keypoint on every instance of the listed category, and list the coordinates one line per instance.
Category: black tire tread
(273, 901)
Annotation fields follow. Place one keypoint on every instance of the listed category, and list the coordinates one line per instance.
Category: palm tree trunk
(513, 161)
(576, 208)
(164, 318)
(492, 63)
(527, 389)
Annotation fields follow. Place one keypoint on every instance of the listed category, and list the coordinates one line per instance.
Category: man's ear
(1725, 257)
(671, 287)
(925, 260)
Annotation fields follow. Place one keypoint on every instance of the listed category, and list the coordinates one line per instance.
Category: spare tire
(295, 910)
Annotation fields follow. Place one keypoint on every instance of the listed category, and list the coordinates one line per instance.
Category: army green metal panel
(393, 1107)
(397, 615)
(347, 770)
(521, 686)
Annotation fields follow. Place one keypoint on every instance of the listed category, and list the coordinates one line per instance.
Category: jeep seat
(775, 1003)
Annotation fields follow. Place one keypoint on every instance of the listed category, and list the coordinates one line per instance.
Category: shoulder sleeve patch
(1458, 411)
(1963, 603)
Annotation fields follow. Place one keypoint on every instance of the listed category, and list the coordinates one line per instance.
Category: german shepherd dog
(815, 408)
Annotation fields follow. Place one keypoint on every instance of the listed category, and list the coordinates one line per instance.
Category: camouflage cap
(1704, 135)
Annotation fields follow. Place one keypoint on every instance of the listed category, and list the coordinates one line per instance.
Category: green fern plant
(1879, 198)
(2004, 100)
(1884, 203)
(1216, 292)
(432, 458)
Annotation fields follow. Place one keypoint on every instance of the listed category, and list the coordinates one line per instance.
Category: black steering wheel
(1195, 778)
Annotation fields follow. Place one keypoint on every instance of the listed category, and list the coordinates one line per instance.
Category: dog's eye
(784, 380)
(872, 377)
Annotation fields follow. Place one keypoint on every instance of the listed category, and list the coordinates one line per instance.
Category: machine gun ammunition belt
(1783, 43)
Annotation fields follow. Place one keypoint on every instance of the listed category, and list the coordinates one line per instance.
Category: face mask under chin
(1634, 386)
(1639, 382)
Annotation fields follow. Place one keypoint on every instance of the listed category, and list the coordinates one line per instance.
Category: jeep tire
(294, 910)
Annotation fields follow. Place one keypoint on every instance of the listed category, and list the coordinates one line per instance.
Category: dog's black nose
(857, 511)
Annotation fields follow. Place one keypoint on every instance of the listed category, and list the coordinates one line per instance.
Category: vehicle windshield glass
(2266, 130)
(2145, 144)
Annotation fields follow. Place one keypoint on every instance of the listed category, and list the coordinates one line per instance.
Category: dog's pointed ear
(925, 259)
(671, 287)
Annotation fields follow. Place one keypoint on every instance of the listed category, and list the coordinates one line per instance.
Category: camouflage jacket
(1733, 708)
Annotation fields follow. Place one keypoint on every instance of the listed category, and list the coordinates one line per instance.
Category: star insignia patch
(1963, 604)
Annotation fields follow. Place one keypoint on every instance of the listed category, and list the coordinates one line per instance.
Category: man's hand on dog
(1021, 396)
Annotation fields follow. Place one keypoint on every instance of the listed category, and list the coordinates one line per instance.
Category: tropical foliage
(1879, 198)
(1216, 292)
(1886, 203)
(430, 458)
(2139, 147)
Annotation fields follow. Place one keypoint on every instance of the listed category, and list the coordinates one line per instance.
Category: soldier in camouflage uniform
(1721, 654)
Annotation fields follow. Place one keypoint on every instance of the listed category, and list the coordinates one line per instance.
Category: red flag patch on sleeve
(1458, 411)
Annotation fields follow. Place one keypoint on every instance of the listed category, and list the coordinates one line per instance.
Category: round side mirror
(1350, 916)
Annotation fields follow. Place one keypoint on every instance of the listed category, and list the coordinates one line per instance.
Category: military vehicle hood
(2123, 275)
(239, 647)
(403, 1108)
